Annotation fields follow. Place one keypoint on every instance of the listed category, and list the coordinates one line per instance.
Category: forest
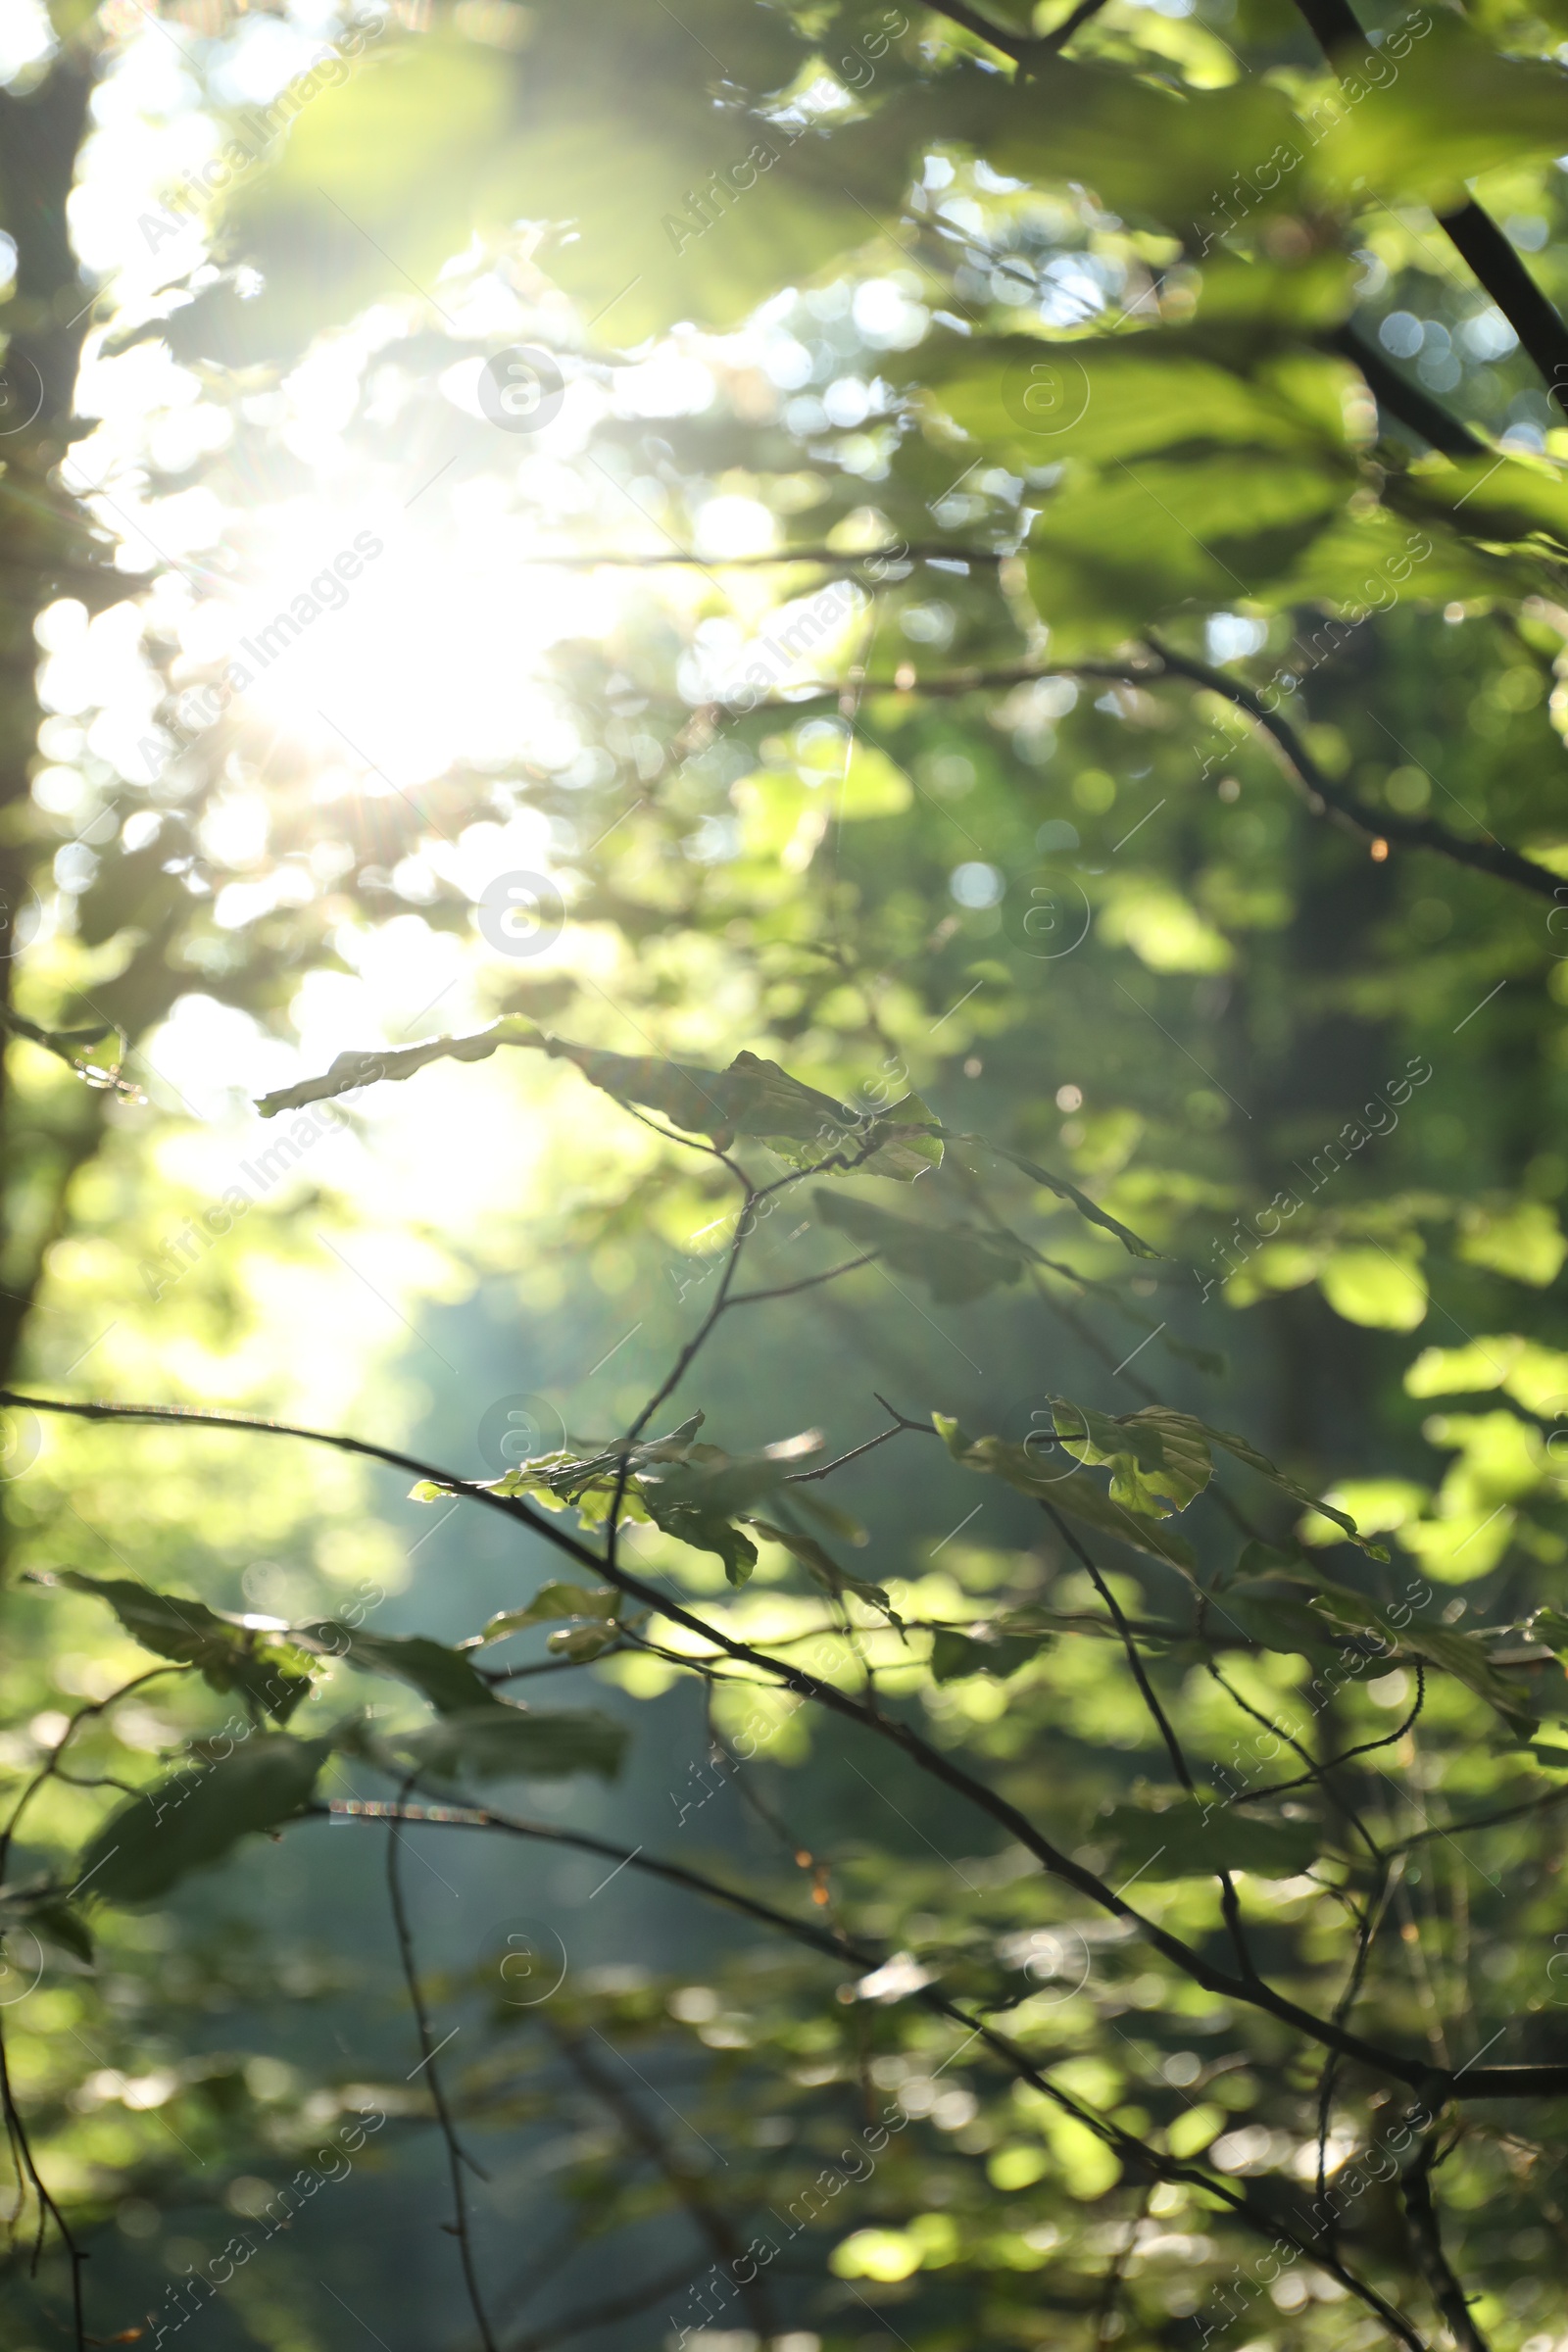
(783, 1074)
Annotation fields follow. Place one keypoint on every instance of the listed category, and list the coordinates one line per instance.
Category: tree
(1036, 560)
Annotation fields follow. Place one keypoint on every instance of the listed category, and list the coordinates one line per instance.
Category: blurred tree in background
(934, 639)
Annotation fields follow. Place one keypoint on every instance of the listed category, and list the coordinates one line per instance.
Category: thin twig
(725, 2245)
(456, 2157)
(1229, 1902)
(605, 2314)
(1426, 2238)
(788, 1290)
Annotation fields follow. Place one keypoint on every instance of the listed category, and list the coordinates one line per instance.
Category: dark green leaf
(1291, 1486)
(705, 1531)
(821, 1564)
(504, 1742)
(1068, 1190)
(446, 1678)
(751, 1097)
(229, 1655)
(42, 1910)
(195, 1818)
(1198, 1836)
(956, 1262)
(1271, 1610)
(954, 1655)
(1459, 1654)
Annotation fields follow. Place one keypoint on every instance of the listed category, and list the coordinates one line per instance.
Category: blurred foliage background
(1014, 559)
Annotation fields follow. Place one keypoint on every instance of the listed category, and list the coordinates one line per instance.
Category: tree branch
(788, 1290)
(1534, 2082)
(1490, 857)
(1142, 2161)
(711, 2219)
(1410, 403)
(1427, 2240)
(1472, 232)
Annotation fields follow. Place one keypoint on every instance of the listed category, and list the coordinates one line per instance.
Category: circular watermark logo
(520, 914)
(1046, 390)
(1049, 1425)
(519, 1429)
(1555, 1411)
(525, 1962)
(522, 389)
(21, 395)
(21, 919)
(1056, 1962)
(1050, 916)
(20, 1441)
(20, 1966)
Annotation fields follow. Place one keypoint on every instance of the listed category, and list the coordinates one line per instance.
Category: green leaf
(1426, 112)
(706, 1531)
(1459, 1654)
(1274, 1611)
(1375, 1288)
(1198, 1837)
(444, 1676)
(229, 1655)
(1523, 1241)
(1146, 148)
(1159, 1459)
(1068, 1190)
(982, 1651)
(42, 1910)
(1550, 1626)
(195, 1818)
(903, 1152)
(957, 1263)
(1113, 555)
(752, 1098)
(1105, 399)
(1249, 1454)
(552, 1600)
(351, 1071)
(1075, 1491)
(706, 1479)
(499, 1742)
(821, 1564)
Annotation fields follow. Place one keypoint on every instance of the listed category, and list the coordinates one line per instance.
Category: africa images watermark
(175, 1257)
(200, 708)
(706, 204)
(254, 130)
(1335, 1154)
